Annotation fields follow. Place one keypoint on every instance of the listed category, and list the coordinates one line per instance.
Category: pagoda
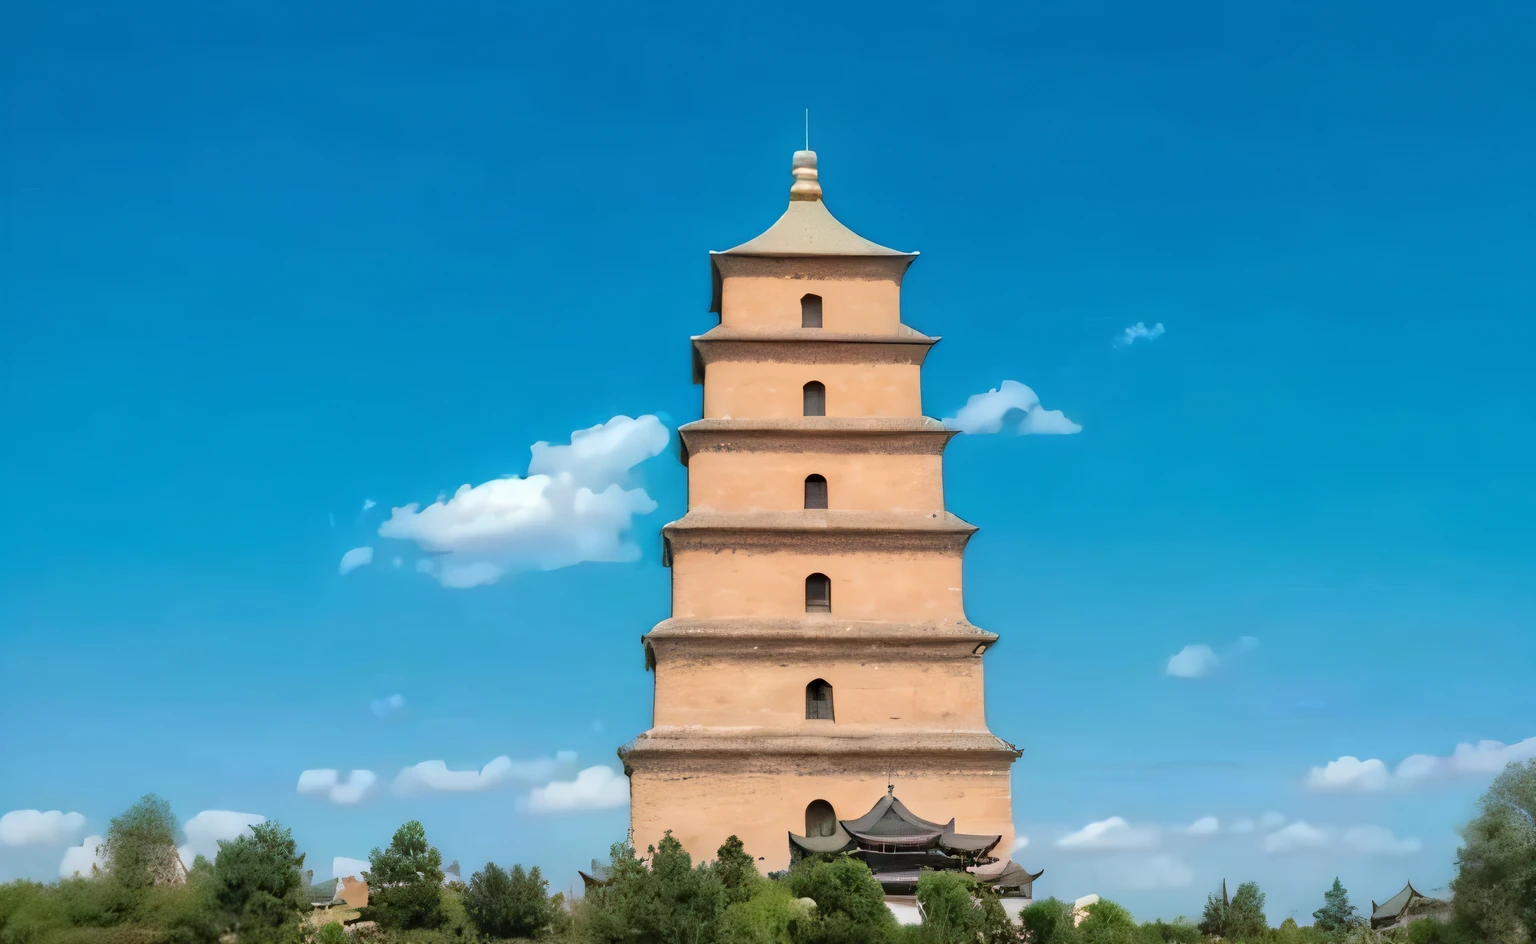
(818, 648)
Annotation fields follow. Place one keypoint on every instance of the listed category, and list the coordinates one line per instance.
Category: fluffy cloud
(1139, 331)
(1110, 834)
(368, 503)
(1204, 826)
(571, 507)
(1196, 661)
(596, 788)
(1377, 840)
(328, 783)
(79, 859)
(38, 828)
(1020, 842)
(433, 776)
(355, 558)
(1013, 406)
(1296, 837)
(205, 830)
(1483, 759)
(384, 707)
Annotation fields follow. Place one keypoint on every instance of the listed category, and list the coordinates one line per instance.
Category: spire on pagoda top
(807, 227)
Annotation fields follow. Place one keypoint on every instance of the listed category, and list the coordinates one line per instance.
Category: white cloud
(596, 788)
(571, 507)
(1020, 842)
(1296, 837)
(368, 503)
(1140, 331)
(1112, 833)
(39, 828)
(384, 707)
(1377, 840)
(1483, 759)
(204, 831)
(1158, 872)
(79, 859)
(1014, 406)
(1204, 826)
(355, 558)
(329, 783)
(433, 776)
(342, 866)
(1195, 661)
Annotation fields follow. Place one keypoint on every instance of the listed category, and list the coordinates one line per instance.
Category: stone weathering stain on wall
(740, 743)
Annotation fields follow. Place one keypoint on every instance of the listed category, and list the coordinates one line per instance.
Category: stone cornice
(816, 747)
(819, 531)
(809, 346)
(817, 635)
(826, 435)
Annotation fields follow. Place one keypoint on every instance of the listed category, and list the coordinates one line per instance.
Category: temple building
(818, 659)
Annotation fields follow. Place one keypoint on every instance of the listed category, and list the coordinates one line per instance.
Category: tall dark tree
(1495, 884)
(257, 884)
(140, 848)
(405, 881)
(737, 872)
(1213, 920)
(508, 904)
(1337, 915)
(1245, 916)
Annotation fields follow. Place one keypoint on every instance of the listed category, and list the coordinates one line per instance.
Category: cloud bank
(205, 830)
(355, 787)
(572, 507)
(1012, 407)
(1483, 759)
(79, 859)
(596, 788)
(1110, 834)
(433, 776)
(39, 828)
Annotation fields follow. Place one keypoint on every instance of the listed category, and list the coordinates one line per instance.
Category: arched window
(820, 819)
(818, 594)
(815, 399)
(818, 701)
(815, 491)
(810, 311)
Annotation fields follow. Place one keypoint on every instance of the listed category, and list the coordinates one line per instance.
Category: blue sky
(262, 263)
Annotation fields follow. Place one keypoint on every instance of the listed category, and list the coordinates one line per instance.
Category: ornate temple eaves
(819, 530)
(920, 435)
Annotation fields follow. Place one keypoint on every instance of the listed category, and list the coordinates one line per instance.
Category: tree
(771, 916)
(1495, 883)
(1245, 915)
(257, 884)
(503, 904)
(668, 901)
(405, 882)
(1048, 921)
(140, 849)
(850, 904)
(1213, 920)
(1337, 915)
(737, 872)
(1107, 923)
(950, 914)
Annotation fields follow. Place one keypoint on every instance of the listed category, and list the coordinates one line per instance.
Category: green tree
(1213, 920)
(405, 882)
(736, 870)
(1495, 883)
(1245, 916)
(140, 848)
(257, 884)
(950, 912)
(771, 916)
(850, 904)
(1048, 921)
(332, 933)
(1107, 923)
(1178, 931)
(658, 900)
(1337, 915)
(508, 904)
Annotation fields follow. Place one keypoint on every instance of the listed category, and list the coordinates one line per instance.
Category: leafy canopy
(508, 904)
(405, 882)
(1495, 884)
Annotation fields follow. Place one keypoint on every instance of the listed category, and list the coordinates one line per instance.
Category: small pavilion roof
(807, 227)
(889, 817)
(1394, 907)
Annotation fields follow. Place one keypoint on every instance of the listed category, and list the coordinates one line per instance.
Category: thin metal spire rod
(807, 129)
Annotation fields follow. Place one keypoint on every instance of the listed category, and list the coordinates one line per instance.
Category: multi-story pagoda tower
(818, 649)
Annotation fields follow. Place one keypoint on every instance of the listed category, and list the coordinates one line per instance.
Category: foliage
(405, 882)
(850, 904)
(1179, 931)
(736, 870)
(1495, 884)
(256, 885)
(1337, 915)
(669, 901)
(771, 916)
(1107, 923)
(140, 848)
(1048, 921)
(508, 904)
(331, 933)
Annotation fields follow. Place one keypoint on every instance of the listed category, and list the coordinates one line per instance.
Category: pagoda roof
(837, 842)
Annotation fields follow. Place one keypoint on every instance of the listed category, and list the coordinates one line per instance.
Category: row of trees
(253, 892)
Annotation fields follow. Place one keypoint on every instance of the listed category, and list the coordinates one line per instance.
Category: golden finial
(806, 186)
